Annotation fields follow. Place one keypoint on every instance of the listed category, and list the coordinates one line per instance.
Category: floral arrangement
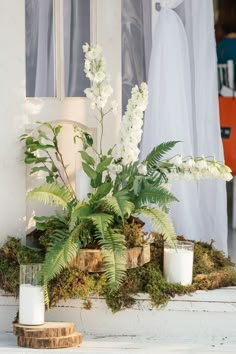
(122, 187)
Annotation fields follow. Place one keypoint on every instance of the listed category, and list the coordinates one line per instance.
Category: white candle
(82, 185)
(31, 305)
(178, 265)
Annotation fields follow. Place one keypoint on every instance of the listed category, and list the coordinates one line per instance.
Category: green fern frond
(114, 257)
(101, 222)
(52, 194)
(161, 223)
(119, 203)
(156, 195)
(158, 152)
(81, 210)
(113, 248)
(59, 256)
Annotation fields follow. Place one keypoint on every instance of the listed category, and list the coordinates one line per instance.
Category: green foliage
(158, 152)
(52, 194)
(119, 203)
(101, 220)
(161, 223)
(12, 254)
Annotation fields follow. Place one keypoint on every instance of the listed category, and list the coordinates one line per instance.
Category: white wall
(13, 118)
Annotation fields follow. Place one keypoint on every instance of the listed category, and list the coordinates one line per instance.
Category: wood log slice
(47, 330)
(72, 340)
(91, 260)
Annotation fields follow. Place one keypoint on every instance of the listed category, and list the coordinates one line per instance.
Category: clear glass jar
(31, 301)
(178, 262)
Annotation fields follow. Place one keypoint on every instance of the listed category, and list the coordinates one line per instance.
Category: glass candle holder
(31, 301)
(178, 263)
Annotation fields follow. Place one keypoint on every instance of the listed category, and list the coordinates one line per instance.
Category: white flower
(85, 47)
(99, 76)
(201, 164)
(189, 163)
(131, 126)
(95, 70)
(142, 169)
(114, 106)
(177, 160)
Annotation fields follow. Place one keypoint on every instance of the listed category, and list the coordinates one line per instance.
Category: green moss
(12, 254)
(211, 270)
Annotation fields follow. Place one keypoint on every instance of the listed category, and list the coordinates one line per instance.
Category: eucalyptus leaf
(90, 172)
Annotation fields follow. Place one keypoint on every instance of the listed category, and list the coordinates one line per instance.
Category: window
(44, 24)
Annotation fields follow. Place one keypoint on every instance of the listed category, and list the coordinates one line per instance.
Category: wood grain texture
(91, 260)
(72, 340)
(47, 330)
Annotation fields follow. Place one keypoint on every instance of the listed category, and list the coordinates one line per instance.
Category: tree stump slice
(91, 260)
(50, 335)
(72, 340)
(47, 330)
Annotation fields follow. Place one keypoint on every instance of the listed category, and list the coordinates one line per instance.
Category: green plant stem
(60, 175)
(102, 129)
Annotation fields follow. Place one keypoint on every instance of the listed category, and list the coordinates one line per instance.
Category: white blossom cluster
(131, 126)
(198, 168)
(95, 70)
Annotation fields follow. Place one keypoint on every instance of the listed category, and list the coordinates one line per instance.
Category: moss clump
(12, 254)
(211, 270)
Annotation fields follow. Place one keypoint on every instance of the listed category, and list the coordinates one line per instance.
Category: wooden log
(72, 340)
(47, 330)
(91, 260)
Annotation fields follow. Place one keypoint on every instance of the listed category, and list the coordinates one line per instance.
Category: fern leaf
(113, 248)
(79, 211)
(114, 258)
(120, 204)
(161, 223)
(156, 195)
(58, 257)
(101, 222)
(158, 152)
(53, 194)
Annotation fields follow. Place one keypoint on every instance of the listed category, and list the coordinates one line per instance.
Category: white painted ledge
(207, 314)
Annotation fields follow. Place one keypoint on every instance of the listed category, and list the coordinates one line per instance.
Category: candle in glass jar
(178, 263)
(31, 299)
(31, 305)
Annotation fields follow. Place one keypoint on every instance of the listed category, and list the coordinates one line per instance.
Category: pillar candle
(178, 263)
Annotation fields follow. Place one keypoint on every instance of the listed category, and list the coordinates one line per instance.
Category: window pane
(76, 33)
(40, 81)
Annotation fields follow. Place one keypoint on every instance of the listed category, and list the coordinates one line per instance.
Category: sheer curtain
(136, 44)
(183, 106)
(40, 48)
(169, 113)
(201, 38)
(76, 33)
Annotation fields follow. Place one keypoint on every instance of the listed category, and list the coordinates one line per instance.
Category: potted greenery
(122, 187)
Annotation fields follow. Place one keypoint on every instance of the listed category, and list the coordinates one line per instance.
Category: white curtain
(199, 22)
(183, 106)
(40, 48)
(136, 44)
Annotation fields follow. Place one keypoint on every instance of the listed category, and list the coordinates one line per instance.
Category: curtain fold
(39, 49)
(76, 33)
(202, 47)
(136, 44)
(169, 113)
(183, 105)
